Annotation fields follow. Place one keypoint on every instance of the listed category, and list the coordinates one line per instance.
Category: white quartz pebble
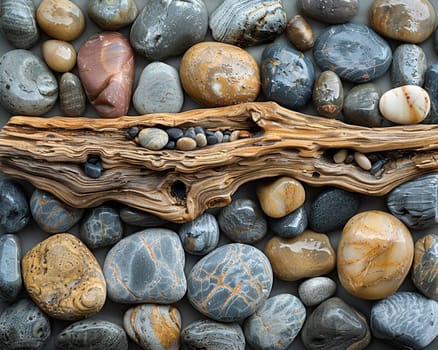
(407, 104)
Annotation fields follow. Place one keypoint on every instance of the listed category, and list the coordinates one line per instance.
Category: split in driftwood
(179, 185)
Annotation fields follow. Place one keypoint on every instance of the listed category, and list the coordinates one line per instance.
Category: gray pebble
(159, 90)
(329, 11)
(243, 221)
(14, 208)
(153, 139)
(18, 23)
(93, 170)
(24, 326)
(174, 133)
(137, 217)
(431, 86)
(10, 268)
(276, 323)
(315, 290)
(406, 319)
(201, 235)
(92, 335)
(212, 335)
(72, 98)
(409, 64)
(101, 227)
(290, 225)
(112, 15)
(27, 86)
(168, 28)
(332, 209)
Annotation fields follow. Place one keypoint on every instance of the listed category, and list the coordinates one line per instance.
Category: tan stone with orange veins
(375, 253)
(63, 278)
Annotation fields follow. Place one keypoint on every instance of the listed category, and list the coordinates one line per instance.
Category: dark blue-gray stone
(276, 323)
(146, 267)
(290, 225)
(24, 326)
(52, 215)
(415, 202)
(315, 290)
(101, 227)
(361, 106)
(243, 221)
(14, 208)
(431, 86)
(408, 320)
(92, 335)
(201, 235)
(137, 217)
(353, 51)
(425, 266)
(329, 11)
(409, 64)
(208, 334)
(335, 325)
(230, 283)
(10, 268)
(287, 76)
(332, 209)
(168, 28)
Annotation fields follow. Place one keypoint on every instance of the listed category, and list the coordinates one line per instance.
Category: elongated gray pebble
(10, 268)
(425, 266)
(276, 323)
(315, 290)
(230, 283)
(27, 86)
(137, 217)
(153, 139)
(72, 97)
(92, 334)
(409, 64)
(248, 22)
(112, 15)
(14, 207)
(431, 86)
(201, 235)
(290, 225)
(212, 335)
(329, 11)
(406, 319)
(159, 90)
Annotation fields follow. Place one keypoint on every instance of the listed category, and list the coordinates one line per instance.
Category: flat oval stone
(315, 290)
(153, 139)
(290, 225)
(18, 23)
(361, 105)
(201, 235)
(425, 266)
(337, 325)
(411, 21)
(299, 33)
(276, 323)
(243, 221)
(106, 67)
(92, 334)
(353, 51)
(431, 86)
(208, 334)
(407, 104)
(154, 326)
(72, 99)
(414, 202)
(101, 227)
(332, 208)
(10, 269)
(230, 283)
(168, 28)
(52, 215)
(216, 74)
(60, 19)
(136, 217)
(409, 64)
(309, 254)
(146, 267)
(59, 55)
(280, 197)
(64, 278)
(375, 253)
(328, 94)
(405, 319)
(186, 144)
(14, 208)
(27, 86)
(112, 15)
(24, 326)
(159, 90)
(329, 11)
(287, 76)
(249, 22)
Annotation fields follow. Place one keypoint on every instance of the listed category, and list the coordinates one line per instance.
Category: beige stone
(309, 254)
(59, 55)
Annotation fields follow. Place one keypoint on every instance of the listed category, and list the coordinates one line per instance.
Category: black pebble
(93, 170)
(175, 133)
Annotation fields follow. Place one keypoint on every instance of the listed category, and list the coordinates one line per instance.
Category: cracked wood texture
(50, 152)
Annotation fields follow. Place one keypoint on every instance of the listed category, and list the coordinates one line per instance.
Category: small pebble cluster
(374, 162)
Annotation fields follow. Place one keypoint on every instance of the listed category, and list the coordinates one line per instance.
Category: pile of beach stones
(268, 271)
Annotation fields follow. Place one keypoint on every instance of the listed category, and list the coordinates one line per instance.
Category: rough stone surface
(201, 235)
(409, 64)
(329, 11)
(290, 225)
(315, 290)
(10, 268)
(14, 208)
(425, 266)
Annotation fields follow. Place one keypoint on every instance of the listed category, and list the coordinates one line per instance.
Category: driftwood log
(179, 185)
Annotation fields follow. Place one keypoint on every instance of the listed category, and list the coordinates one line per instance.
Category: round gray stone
(10, 267)
(315, 290)
(290, 225)
(201, 235)
(409, 64)
(153, 139)
(14, 207)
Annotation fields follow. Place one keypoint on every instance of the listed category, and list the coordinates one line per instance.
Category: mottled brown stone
(299, 32)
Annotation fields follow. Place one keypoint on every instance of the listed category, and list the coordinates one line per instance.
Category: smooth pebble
(315, 290)
(112, 15)
(137, 217)
(425, 266)
(59, 55)
(14, 207)
(299, 33)
(290, 225)
(186, 144)
(328, 94)
(10, 268)
(409, 64)
(329, 11)
(362, 161)
(72, 99)
(201, 235)
(431, 86)
(153, 139)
